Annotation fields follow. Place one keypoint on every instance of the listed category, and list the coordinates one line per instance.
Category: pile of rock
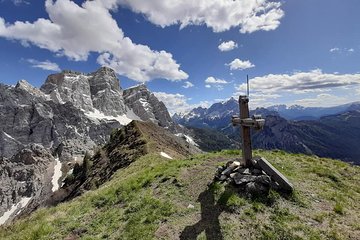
(252, 180)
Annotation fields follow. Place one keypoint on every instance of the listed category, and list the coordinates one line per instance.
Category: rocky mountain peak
(26, 86)
(69, 86)
(146, 105)
(104, 78)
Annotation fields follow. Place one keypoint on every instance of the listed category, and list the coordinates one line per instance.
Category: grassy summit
(159, 198)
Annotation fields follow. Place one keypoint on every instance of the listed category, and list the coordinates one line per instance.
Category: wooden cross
(246, 124)
(247, 160)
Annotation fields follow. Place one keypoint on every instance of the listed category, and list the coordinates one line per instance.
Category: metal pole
(248, 87)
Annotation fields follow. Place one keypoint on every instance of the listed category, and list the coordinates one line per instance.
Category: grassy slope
(150, 199)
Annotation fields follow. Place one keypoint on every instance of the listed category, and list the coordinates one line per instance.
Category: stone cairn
(252, 180)
(254, 175)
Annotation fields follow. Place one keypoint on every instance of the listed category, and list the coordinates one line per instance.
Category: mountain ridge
(330, 136)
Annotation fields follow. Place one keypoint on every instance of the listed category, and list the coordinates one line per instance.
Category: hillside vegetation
(156, 197)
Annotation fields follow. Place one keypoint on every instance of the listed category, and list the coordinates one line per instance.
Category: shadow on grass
(209, 222)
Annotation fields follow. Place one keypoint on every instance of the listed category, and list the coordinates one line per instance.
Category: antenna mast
(248, 88)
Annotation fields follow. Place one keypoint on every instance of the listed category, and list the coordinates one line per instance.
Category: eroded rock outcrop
(146, 105)
(25, 179)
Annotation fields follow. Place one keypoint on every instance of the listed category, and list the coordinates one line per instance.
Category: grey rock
(240, 179)
(256, 171)
(145, 105)
(256, 189)
(98, 90)
(245, 171)
(69, 87)
(106, 93)
(26, 175)
(29, 118)
(263, 179)
(223, 178)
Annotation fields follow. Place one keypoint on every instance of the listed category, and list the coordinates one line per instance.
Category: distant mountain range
(297, 112)
(326, 135)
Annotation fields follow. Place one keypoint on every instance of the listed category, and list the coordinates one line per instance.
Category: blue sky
(296, 52)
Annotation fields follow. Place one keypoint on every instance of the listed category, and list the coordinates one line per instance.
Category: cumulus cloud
(247, 15)
(178, 103)
(266, 89)
(342, 50)
(212, 80)
(238, 64)
(215, 82)
(301, 82)
(188, 85)
(75, 31)
(335, 49)
(45, 65)
(227, 46)
(17, 2)
(323, 99)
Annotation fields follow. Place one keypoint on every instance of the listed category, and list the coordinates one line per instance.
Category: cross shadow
(209, 222)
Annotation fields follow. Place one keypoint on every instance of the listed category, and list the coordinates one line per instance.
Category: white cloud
(301, 82)
(76, 31)
(215, 82)
(227, 46)
(188, 85)
(212, 80)
(324, 100)
(45, 65)
(238, 64)
(17, 2)
(342, 50)
(280, 88)
(178, 103)
(247, 15)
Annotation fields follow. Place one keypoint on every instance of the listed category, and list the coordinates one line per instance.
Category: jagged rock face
(25, 178)
(69, 87)
(147, 106)
(27, 118)
(62, 115)
(106, 92)
(99, 90)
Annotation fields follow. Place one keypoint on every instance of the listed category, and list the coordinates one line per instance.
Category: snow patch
(8, 136)
(145, 104)
(122, 119)
(190, 140)
(130, 114)
(20, 205)
(165, 155)
(187, 138)
(57, 175)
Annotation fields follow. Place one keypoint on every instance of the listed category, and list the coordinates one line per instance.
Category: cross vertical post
(245, 130)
